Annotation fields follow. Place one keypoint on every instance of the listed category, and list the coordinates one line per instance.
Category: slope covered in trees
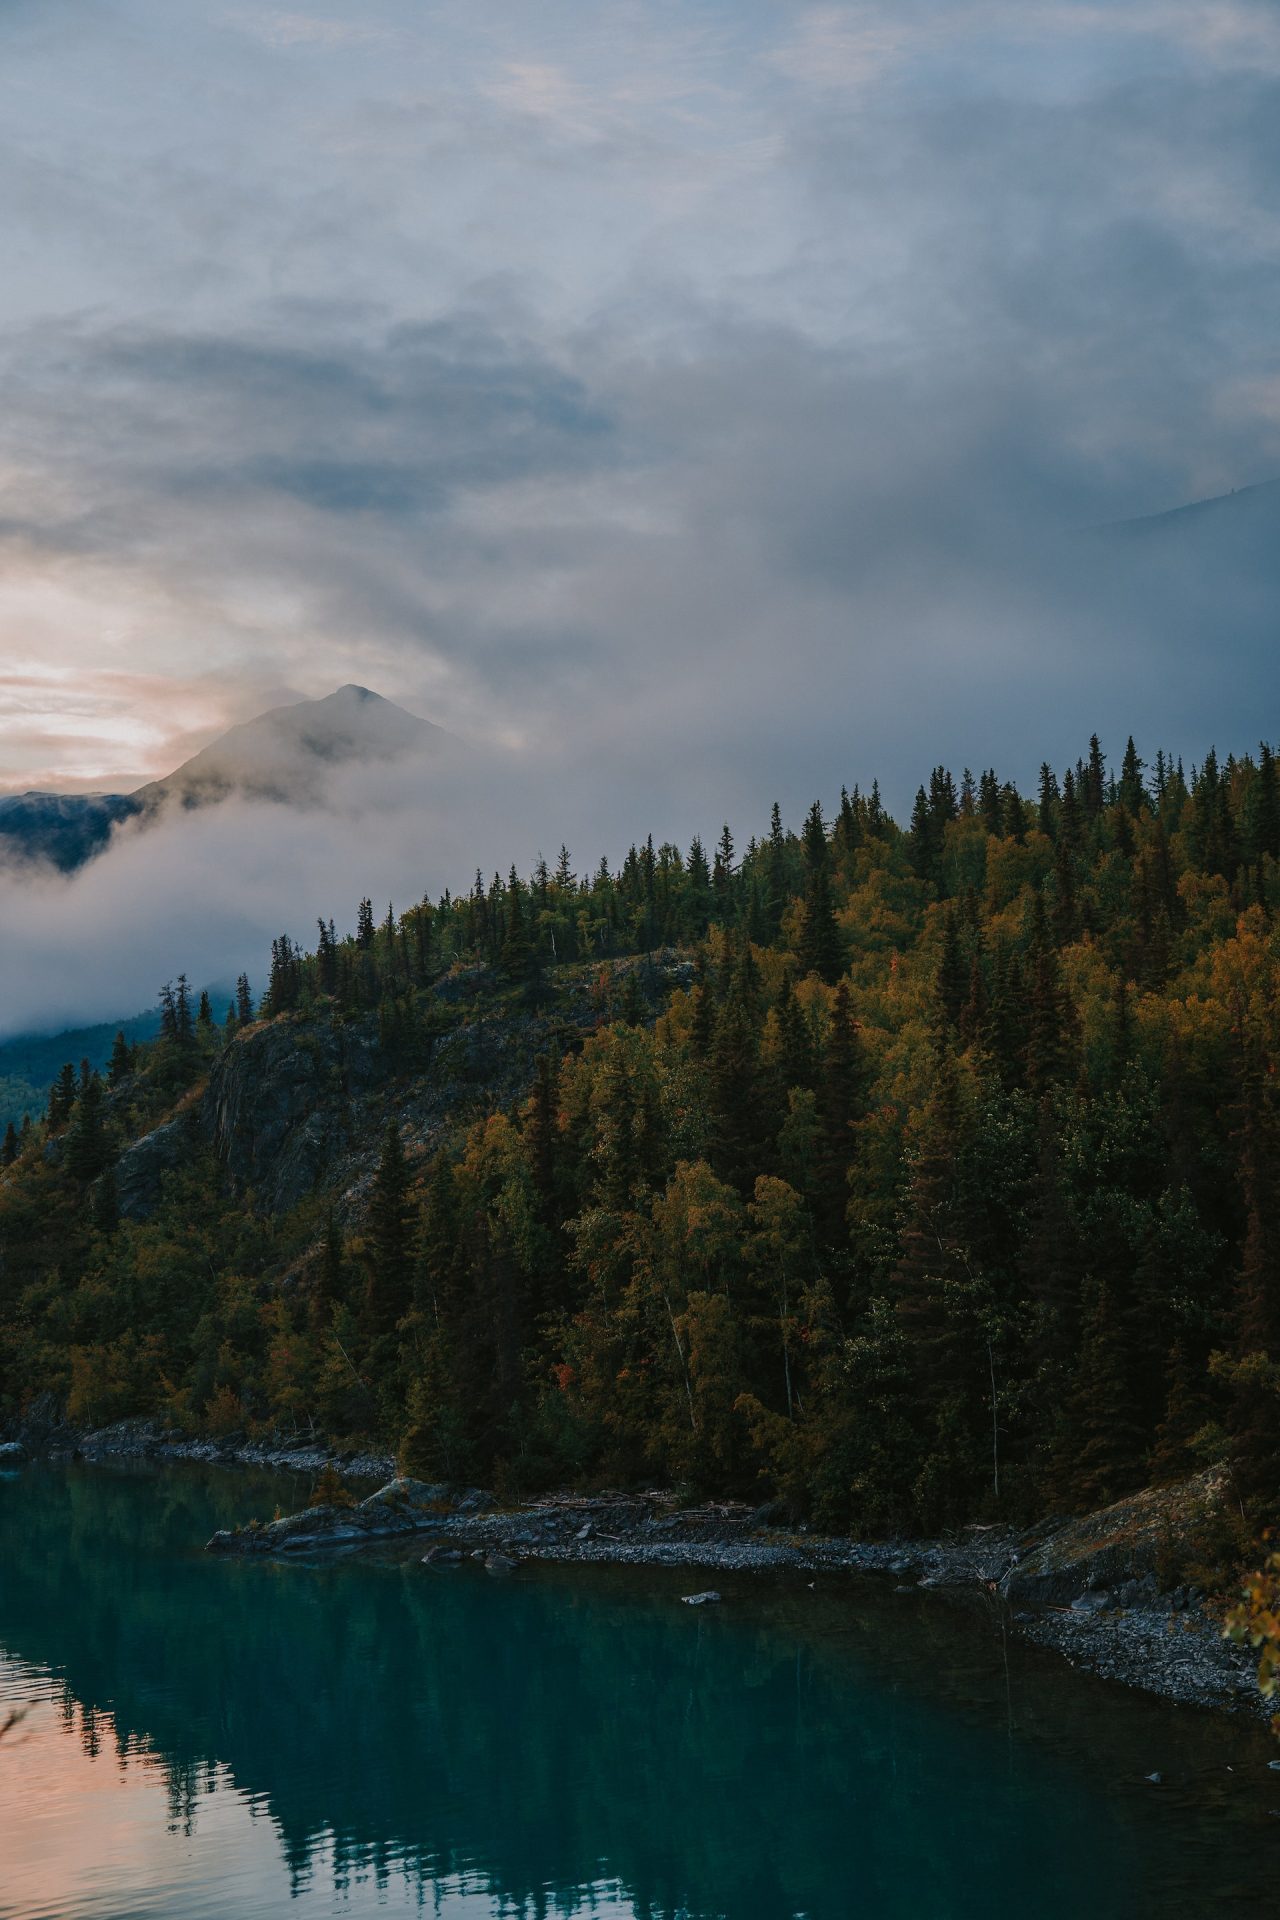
(943, 1183)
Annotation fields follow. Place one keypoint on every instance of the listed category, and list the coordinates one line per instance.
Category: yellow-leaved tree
(1257, 1620)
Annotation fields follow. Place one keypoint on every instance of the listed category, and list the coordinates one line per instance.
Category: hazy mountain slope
(30, 1063)
(284, 755)
(1245, 515)
(65, 829)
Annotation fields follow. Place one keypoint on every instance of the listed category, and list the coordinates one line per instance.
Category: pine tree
(184, 1025)
(121, 1063)
(86, 1149)
(244, 1001)
(518, 959)
(1266, 818)
(839, 1105)
(168, 1014)
(389, 1236)
(62, 1098)
(819, 948)
(735, 1103)
(1094, 790)
(9, 1152)
(951, 981)
(326, 958)
(922, 848)
(1132, 793)
(1254, 1419)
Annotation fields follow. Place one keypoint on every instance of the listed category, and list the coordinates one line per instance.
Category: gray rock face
(1118, 1545)
(12, 1453)
(279, 1104)
(141, 1168)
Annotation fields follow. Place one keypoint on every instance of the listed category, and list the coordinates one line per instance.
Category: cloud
(701, 401)
(304, 30)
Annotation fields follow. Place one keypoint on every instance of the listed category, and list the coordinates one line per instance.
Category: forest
(904, 1176)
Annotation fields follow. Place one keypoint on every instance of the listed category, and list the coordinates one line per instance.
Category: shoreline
(1100, 1612)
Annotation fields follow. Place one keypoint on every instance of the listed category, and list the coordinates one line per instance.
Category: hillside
(913, 1176)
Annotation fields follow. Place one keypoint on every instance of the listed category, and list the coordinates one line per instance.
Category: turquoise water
(205, 1737)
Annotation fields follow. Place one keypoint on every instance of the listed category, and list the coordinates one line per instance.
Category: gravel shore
(1085, 1589)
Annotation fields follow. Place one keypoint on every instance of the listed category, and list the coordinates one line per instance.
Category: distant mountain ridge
(1244, 511)
(65, 829)
(282, 756)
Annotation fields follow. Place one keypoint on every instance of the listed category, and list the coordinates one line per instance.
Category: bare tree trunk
(688, 1387)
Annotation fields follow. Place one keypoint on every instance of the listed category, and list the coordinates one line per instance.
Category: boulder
(12, 1453)
(405, 1496)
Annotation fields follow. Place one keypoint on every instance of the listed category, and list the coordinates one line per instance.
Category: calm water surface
(206, 1737)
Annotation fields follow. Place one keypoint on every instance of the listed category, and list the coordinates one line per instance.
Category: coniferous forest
(907, 1175)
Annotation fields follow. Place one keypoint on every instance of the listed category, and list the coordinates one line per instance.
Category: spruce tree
(62, 1098)
(120, 1065)
(951, 981)
(1266, 817)
(86, 1149)
(819, 948)
(839, 1105)
(389, 1238)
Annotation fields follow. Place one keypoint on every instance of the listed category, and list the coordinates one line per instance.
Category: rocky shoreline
(1096, 1591)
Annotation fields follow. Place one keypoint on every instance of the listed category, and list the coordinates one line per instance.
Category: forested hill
(914, 1175)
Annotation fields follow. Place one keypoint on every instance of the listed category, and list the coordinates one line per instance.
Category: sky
(708, 400)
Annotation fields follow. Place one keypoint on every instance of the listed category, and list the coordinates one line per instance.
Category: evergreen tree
(1266, 818)
(951, 982)
(120, 1065)
(389, 1235)
(62, 1098)
(86, 1149)
(819, 948)
(1132, 793)
(517, 958)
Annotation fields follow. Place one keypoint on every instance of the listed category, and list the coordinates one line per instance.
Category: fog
(683, 406)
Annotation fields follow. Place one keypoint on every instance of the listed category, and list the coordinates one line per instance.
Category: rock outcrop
(280, 1103)
(1140, 1541)
(142, 1168)
(402, 1506)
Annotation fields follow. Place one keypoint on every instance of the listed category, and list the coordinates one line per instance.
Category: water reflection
(218, 1737)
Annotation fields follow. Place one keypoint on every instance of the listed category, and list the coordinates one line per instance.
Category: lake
(206, 1736)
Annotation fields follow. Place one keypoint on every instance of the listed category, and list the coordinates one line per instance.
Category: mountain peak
(283, 754)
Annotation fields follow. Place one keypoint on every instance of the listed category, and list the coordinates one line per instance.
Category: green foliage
(923, 1177)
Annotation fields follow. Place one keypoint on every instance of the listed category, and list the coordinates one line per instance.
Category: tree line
(937, 1179)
